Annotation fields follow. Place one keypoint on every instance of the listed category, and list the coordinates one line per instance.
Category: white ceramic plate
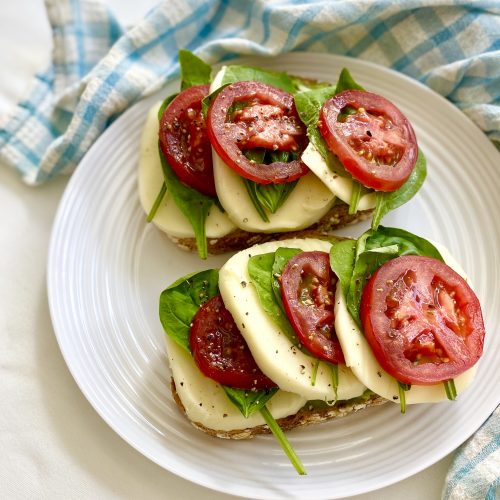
(107, 268)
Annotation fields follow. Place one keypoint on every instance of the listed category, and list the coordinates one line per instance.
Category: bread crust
(305, 416)
(337, 217)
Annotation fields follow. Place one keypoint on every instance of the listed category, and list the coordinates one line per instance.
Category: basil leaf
(249, 402)
(281, 258)
(355, 261)
(194, 71)
(194, 205)
(239, 73)
(181, 301)
(347, 82)
(260, 269)
(268, 197)
(408, 243)
(310, 102)
(342, 258)
(206, 101)
(390, 201)
(165, 103)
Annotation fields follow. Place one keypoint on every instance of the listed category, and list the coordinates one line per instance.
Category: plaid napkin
(453, 46)
(97, 72)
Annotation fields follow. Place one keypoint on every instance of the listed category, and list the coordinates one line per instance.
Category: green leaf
(165, 103)
(355, 262)
(239, 73)
(347, 82)
(249, 402)
(156, 205)
(260, 269)
(281, 257)
(282, 440)
(402, 395)
(451, 390)
(310, 102)
(390, 201)
(355, 197)
(181, 301)
(342, 258)
(268, 197)
(194, 71)
(206, 101)
(194, 205)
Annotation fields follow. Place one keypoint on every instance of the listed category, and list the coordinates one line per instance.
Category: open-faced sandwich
(298, 331)
(237, 157)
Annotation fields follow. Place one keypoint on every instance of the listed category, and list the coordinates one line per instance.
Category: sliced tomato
(184, 140)
(374, 141)
(422, 320)
(308, 294)
(249, 115)
(220, 351)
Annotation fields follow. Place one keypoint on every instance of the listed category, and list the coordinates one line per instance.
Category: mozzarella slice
(307, 203)
(169, 218)
(339, 186)
(206, 402)
(276, 356)
(360, 359)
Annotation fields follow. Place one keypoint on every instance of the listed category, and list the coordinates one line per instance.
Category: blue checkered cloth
(98, 71)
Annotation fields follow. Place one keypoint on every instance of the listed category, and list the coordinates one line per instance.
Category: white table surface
(53, 444)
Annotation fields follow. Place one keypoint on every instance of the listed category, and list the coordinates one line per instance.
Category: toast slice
(239, 239)
(311, 413)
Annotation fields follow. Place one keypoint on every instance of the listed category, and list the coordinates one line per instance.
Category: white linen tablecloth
(53, 444)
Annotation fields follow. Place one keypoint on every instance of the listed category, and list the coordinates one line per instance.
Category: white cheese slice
(169, 218)
(206, 402)
(339, 186)
(307, 203)
(360, 359)
(275, 354)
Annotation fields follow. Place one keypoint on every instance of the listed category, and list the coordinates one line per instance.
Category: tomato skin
(422, 320)
(220, 351)
(308, 294)
(376, 145)
(184, 140)
(269, 121)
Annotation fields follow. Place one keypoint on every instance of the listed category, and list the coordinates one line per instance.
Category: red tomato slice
(184, 140)
(249, 115)
(376, 144)
(308, 294)
(220, 351)
(422, 320)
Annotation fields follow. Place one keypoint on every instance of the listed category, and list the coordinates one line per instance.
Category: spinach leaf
(249, 402)
(355, 261)
(165, 103)
(194, 205)
(181, 301)
(389, 201)
(260, 269)
(281, 258)
(268, 197)
(310, 102)
(194, 71)
(347, 82)
(342, 258)
(239, 73)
